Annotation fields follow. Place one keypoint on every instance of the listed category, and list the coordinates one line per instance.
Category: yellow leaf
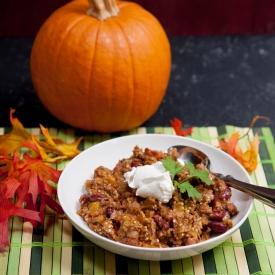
(249, 159)
(58, 146)
(13, 140)
(43, 153)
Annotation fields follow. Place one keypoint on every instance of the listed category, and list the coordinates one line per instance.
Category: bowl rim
(214, 238)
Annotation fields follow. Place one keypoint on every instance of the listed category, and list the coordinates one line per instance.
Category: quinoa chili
(111, 208)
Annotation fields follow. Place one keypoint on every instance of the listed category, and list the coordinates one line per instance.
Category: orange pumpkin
(101, 65)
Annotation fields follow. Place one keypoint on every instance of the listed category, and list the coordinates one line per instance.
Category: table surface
(216, 83)
(57, 248)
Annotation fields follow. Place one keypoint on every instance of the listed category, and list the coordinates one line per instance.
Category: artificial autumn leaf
(45, 199)
(7, 209)
(34, 145)
(248, 159)
(230, 145)
(50, 202)
(34, 171)
(5, 165)
(19, 138)
(33, 175)
(13, 140)
(24, 177)
(177, 125)
(58, 146)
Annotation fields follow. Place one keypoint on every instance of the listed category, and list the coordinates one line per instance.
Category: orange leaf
(249, 159)
(13, 140)
(229, 145)
(5, 166)
(232, 148)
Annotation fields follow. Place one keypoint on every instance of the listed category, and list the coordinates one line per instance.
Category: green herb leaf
(195, 173)
(186, 186)
(191, 167)
(173, 167)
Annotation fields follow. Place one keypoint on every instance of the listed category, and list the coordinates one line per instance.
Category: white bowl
(107, 153)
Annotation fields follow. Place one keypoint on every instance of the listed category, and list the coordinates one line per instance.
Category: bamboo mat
(57, 248)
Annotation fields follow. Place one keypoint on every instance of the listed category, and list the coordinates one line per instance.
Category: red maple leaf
(8, 188)
(34, 175)
(177, 125)
(28, 182)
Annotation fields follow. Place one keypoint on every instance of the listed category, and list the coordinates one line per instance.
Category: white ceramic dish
(71, 187)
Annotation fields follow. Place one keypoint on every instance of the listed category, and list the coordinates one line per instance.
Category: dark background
(223, 55)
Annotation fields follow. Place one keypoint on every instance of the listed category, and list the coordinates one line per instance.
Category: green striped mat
(57, 248)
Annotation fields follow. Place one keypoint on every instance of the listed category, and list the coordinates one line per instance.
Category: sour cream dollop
(151, 180)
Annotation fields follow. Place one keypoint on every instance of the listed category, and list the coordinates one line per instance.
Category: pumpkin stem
(103, 9)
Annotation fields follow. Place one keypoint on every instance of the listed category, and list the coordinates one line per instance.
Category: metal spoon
(190, 154)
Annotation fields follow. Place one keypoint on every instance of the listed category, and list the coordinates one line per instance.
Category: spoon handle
(263, 194)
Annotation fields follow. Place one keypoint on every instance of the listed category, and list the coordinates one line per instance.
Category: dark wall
(23, 18)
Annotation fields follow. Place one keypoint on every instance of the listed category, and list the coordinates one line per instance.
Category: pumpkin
(101, 66)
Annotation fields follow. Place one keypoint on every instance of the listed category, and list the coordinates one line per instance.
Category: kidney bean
(161, 222)
(116, 225)
(164, 224)
(226, 194)
(217, 227)
(217, 215)
(83, 198)
(109, 211)
(156, 218)
(95, 197)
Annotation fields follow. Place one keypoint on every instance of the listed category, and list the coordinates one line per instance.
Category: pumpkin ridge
(147, 99)
(111, 98)
(150, 98)
(58, 57)
(158, 60)
(131, 102)
(96, 118)
(90, 97)
(55, 61)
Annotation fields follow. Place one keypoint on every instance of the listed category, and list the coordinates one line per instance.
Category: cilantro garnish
(195, 173)
(173, 167)
(185, 186)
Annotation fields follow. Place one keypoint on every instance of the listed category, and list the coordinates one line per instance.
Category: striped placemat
(57, 248)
